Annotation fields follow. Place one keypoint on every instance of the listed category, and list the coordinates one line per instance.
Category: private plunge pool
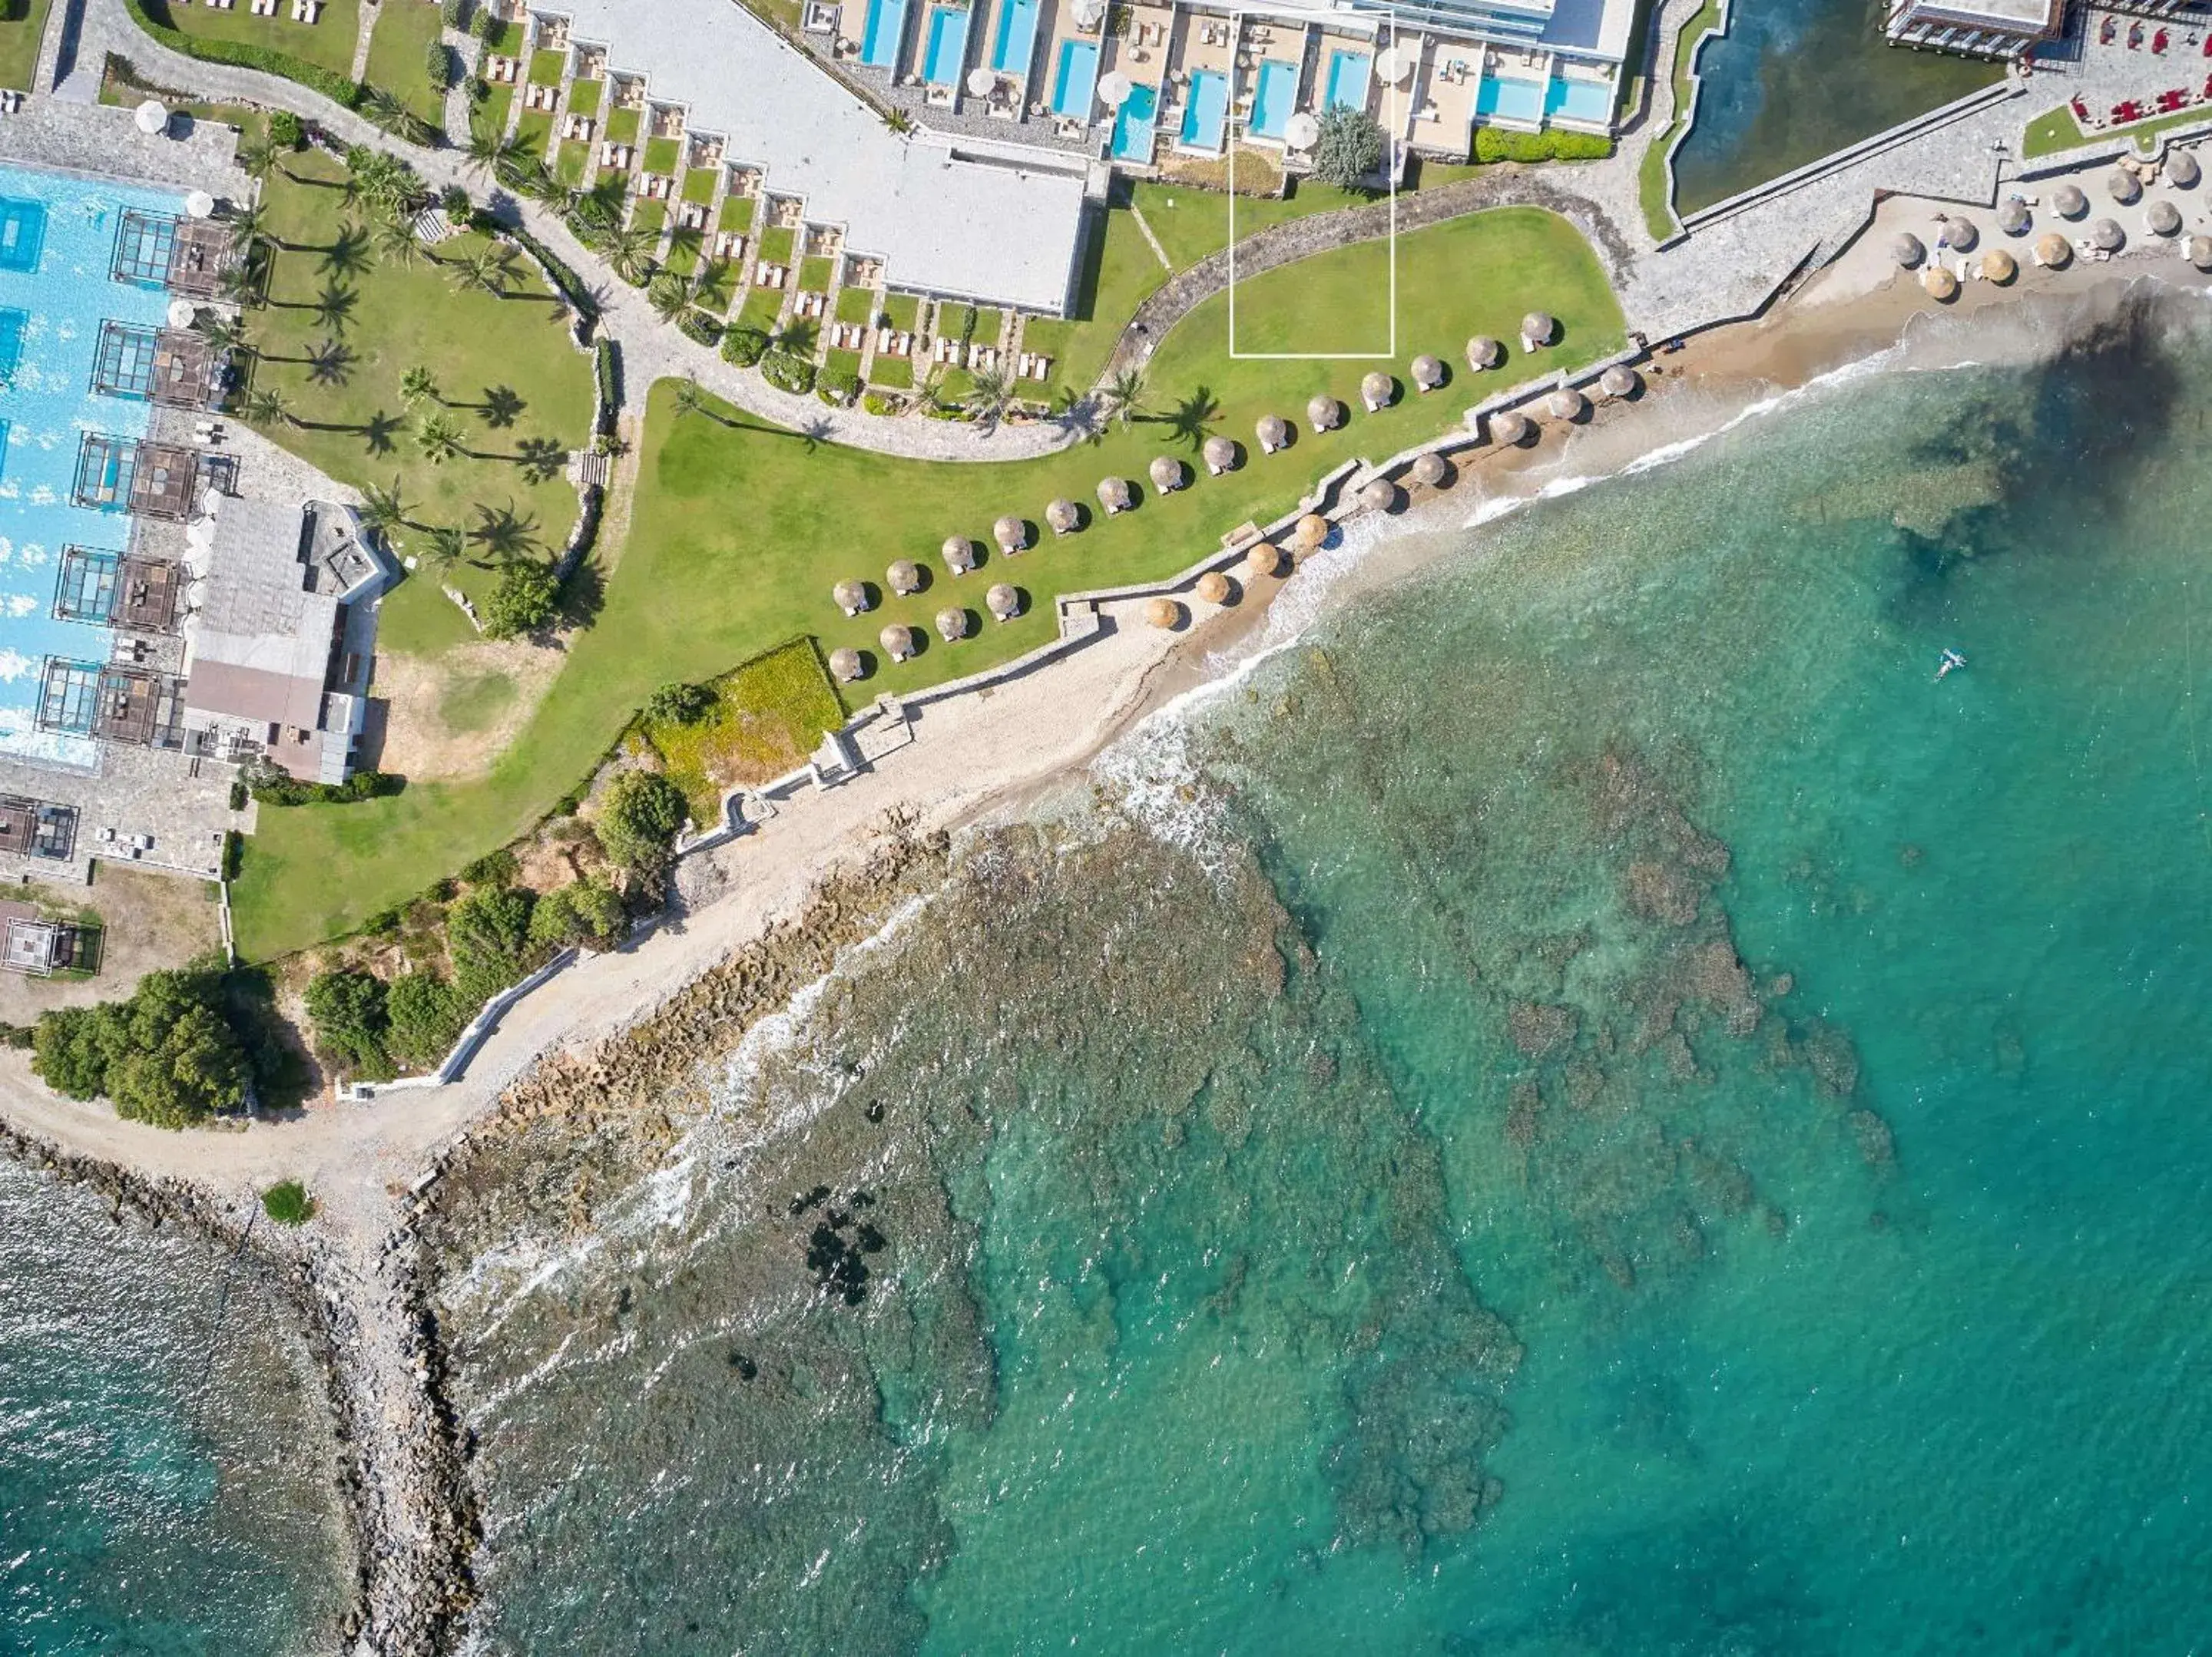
(1132, 127)
(1273, 99)
(879, 41)
(1205, 111)
(948, 45)
(1075, 80)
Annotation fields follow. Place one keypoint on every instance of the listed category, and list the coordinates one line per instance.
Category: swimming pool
(1272, 99)
(1076, 79)
(1580, 100)
(1347, 79)
(880, 42)
(1132, 127)
(1510, 97)
(948, 45)
(55, 291)
(1015, 39)
(1206, 110)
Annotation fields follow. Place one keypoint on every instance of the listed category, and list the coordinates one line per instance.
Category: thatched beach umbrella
(846, 664)
(1219, 455)
(1164, 613)
(1537, 329)
(1959, 236)
(1566, 404)
(2053, 251)
(2197, 250)
(1213, 588)
(1484, 352)
(2013, 216)
(1997, 266)
(2181, 169)
(852, 597)
(2107, 234)
(1378, 494)
(1312, 530)
(959, 553)
(1063, 516)
(897, 641)
(1428, 372)
(1011, 533)
(2068, 202)
(1324, 413)
(2123, 186)
(1377, 391)
(1940, 284)
(1511, 428)
(2164, 219)
(1114, 495)
(1273, 433)
(1004, 602)
(1262, 558)
(1431, 470)
(905, 576)
(1906, 248)
(1166, 473)
(1620, 380)
(952, 624)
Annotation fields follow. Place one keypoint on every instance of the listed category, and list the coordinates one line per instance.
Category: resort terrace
(944, 217)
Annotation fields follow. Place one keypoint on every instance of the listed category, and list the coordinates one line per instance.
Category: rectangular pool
(1509, 98)
(1076, 79)
(1589, 101)
(948, 45)
(1205, 111)
(1132, 127)
(58, 239)
(1015, 39)
(1347, 80)
(1274, 98)
(886, 29)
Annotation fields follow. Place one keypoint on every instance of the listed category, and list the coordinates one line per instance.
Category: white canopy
(153, 117)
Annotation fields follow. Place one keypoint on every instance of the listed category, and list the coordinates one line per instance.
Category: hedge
(606, 367)
(241, 54)
(696, 324)
(556, 272)
(787, 372)
(1492, 145)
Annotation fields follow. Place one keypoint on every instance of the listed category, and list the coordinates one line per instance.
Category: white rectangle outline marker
(1392, 152)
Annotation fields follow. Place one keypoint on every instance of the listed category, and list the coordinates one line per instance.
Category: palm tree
(249, 224)
(419, 383)
(629, 251)
(549, 192)
(347, 253)
(240, 283)
(930, 394)
(257, 158)
(378, 176)
(1122, 398)
(443, 545)
(690, 399)
(223, 334)
(668, 295)
(439, 439)
(334, 306)
(381, 511)
(898, 120)
(482, 271)
(267, 407)
(390, 115)
(988, 394)
(487, 150)
(395, 241)
(329, 362)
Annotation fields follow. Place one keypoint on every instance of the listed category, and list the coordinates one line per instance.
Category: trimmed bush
(438, 65)
(285, 129)
(569, 285)
(484, 25)
(287, 1203)
(876, 403)
(838, 384)
(679, 704)
(454, 14)
(607, 369)
(640, 819)
(743, 346)
(698, 326)
(272, 787)
(787, 372)
(1490, 144)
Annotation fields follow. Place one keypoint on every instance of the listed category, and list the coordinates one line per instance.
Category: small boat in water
(1951, 663)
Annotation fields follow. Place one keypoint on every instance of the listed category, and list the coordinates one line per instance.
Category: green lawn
(814, 273)
(2057, 130)
(737, 215)
(699, 185)
(469, 340)
(894, 374)
(842, 362)
(533, 133)
(986, 325)
(1194, 224)
(547, 66)
(661, 156)
(739, 530)
(22, 25)
(646, 214)
(776, 245)
(761, 309)
(856, 305)
(571, 161)
(717, 286)
(492, 115)
(507, 39)
(1654, 180)
(328, 42)
(1120, 272)
(398, 53)
(954, 320)
(903, 311)
(622, 126)
(584, 96)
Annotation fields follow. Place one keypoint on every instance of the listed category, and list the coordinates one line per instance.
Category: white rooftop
(942, 221)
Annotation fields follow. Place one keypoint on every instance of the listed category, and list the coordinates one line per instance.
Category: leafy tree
(488, 934)
(168, 1055)
(427, 1016)
(1350, 147)
(349, 1014)
(72, 1046)
(588, 911)
(523, 601)
(640, 818)
(679, 704)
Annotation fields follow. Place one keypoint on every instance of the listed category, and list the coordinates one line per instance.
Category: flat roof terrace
(174, 366)
(113, 589)
(944, 219)
(188, 257)
(34, 828)
(152, 480)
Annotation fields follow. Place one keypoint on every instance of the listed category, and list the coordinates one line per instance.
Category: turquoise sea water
(1591, 1106)
(166, 1461)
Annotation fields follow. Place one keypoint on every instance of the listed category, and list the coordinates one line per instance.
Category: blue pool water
(50, 309)
(1076, 79)
(1347, 79)
(1015, 38)
(948, 45)
(1132, 127)
(1207, 110)
(1579, 100)
(1508, 96)
(1272, 99)
(879, 43)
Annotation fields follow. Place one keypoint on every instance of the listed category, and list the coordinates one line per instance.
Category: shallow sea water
(1594, 1107)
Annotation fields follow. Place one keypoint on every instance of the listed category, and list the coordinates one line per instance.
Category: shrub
(478, 90)
(606, 371)
(696, 324)
(273, 788)
(588, 911)
(285, 129)
(18, 1035)
(1492, 145)
(493, 869)
(787, 372)
(234, 854)
(484, 25)
(679, 704)
(454, 14)
(244, 54)
(523, 601)
(456, 203)
(838, 384)
(238, 795)
(427, 1016)
(1350, 147)
(347, 1011)
(488, 934)
(876, 403)
(565, 280)
(743, 346)
(438, 65)
(287, 1203)
(639, 820)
